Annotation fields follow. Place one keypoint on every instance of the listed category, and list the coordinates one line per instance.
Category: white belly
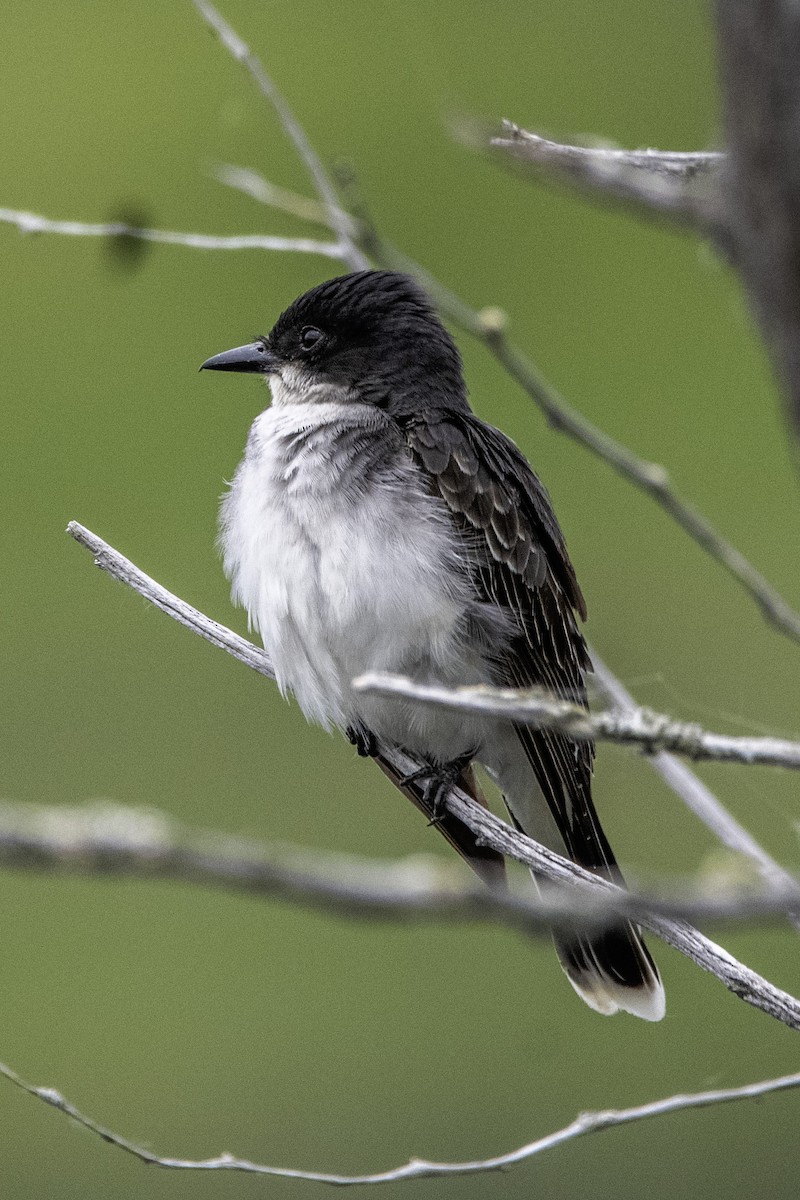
(339, 579)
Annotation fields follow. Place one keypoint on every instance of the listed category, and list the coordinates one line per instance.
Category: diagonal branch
(680, 185)
(251, 183)
(415, 1168)
(490, 830)
(631, 724)
(650, 731)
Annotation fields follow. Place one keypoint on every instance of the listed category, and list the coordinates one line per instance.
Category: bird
(376, 523)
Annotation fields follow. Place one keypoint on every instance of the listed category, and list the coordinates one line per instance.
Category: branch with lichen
(649, 731)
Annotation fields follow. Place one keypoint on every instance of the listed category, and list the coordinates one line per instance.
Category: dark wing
(521, 564)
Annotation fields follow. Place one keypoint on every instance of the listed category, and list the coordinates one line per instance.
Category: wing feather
(520, 563)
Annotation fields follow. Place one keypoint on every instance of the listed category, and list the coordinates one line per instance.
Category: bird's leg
(363, 739)
(437, 780)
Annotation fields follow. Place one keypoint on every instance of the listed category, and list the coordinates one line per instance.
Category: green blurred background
(196, 1021)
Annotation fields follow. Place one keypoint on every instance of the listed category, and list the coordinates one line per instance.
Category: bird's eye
(310, 336)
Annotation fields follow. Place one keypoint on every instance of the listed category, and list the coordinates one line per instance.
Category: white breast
(341, 578)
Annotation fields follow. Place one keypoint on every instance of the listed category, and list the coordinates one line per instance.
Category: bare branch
(112, 840)
(415, 1168)
(239, 49)
(684, 186)
(596, 161)
(29, 222)
(489, 829)
(641, 727)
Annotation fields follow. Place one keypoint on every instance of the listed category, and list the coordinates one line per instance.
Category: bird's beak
(255, 358)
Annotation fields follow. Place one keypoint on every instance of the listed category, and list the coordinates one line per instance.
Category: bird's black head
(370, 337)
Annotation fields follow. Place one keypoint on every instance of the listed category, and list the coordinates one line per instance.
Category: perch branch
(490, 830)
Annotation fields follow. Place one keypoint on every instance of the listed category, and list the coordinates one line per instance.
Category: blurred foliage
(195, 1021)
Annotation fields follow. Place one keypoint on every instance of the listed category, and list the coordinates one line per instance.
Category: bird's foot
(363, 739)
(437, 780)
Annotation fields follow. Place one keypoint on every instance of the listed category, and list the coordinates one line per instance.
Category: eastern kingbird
(376, 524)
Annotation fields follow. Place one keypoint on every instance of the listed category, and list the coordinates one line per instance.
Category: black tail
(612, 971)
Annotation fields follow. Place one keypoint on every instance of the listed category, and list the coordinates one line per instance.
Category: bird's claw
(363, 739)
(437, 780)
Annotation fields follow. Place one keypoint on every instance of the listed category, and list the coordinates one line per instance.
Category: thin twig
(651, 478)
(415, 1168)
(641, 727)
(239, 49)
(491, 831)
(684, 186)
(29, 222)
(105, 839)
(253, 184)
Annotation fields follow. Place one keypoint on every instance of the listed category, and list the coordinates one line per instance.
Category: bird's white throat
(295, 385)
